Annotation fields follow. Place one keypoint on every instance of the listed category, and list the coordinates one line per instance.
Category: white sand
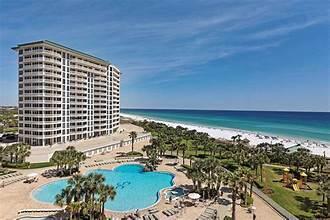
(255, 138)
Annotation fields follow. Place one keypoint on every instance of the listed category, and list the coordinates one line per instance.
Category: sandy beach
(319, 148)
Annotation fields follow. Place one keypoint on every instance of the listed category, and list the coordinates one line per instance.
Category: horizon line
(249, 110)
(194, 109)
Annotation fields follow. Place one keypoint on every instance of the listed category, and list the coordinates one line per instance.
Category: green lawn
(301, 203)
(10, 130)
(28, 165)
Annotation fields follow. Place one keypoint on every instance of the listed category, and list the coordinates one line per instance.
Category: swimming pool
(135, 188)
(175, 193)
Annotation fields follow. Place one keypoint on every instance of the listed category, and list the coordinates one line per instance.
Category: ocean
(300, 125)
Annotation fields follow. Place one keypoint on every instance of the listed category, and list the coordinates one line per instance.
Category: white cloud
(149, 44)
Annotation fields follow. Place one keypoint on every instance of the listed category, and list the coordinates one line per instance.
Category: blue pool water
(135, 189)
(175, 193)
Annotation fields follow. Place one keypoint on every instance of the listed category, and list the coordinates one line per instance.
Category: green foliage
(236, 155)
(186, 166)
(227, 218)
(17, 152)
(85, 196)
(133, 154)
(9, 119)
(24, 165)
(303, 203)
(249, 200)
(27, 165)
(259, 184)
(133, 136)
(68, 160)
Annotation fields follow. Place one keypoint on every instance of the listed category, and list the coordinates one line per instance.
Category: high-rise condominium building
(65, 94)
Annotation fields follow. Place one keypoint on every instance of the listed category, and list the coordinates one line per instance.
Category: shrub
(259, 185)
(249, 200)
(133, 154)
(27, 165)
(14, 165)
(186, 166)
(227, 218)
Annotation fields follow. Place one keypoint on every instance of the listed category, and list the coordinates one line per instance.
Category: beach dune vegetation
(245, 166)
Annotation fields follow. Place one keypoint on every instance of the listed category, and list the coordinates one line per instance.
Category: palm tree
(172, 144)
(196, 174)
(324, 190)
(106, 192)
(77, 184)
(196, 144)
(2, 154)
(65, 198)
(147, 148)
(10, 150)
(236, 138)
(80, 157)
(75, 207)
(250, 178)
(68, 159)
(234, 181)
(209, 166)
(152, 159)
(133, 136)
(56, 159)
(260, 157)
(183, 147)
(24, 151)
(245, 174)
(319, 162)
(299, 157)
(85, 195)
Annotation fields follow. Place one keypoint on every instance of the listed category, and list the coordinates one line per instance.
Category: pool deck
(17, 196)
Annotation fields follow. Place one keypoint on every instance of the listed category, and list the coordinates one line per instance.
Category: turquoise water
(175, 193)
(303, 125)
(135, 189)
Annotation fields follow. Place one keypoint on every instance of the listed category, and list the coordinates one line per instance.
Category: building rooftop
(61, 47)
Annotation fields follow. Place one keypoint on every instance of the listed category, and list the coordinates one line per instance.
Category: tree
(152, 159)
(250, 178)
(65, 198)
(172, 144)
(234, 181)
(2, 154)
(319, 162)
(24, 151)
(236, 139)
(10, 150)
(299, 157)
(67, 160)
(324, 190)
(85, 195)
(277, 153)
(133, 136)
(17, 152)
(183, 147)
(106, 192)
(262, 159)
(196, 175)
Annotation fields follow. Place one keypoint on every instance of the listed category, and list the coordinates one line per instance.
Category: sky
(226, 55)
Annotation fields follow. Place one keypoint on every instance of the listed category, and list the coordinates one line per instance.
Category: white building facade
(64, 94)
